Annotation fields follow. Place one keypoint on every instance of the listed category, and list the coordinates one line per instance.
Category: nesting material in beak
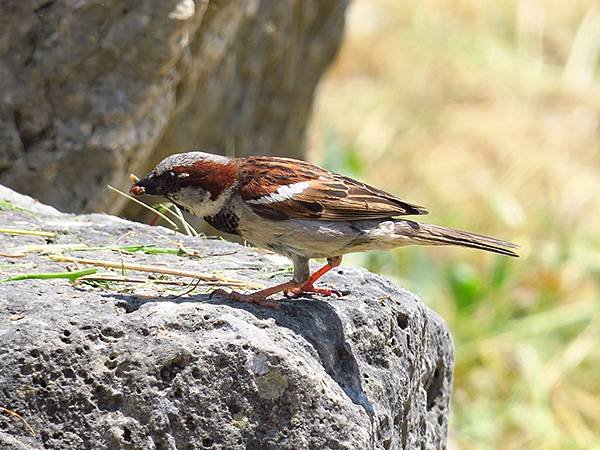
(137, 190)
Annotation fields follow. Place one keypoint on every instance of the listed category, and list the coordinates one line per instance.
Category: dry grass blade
(573, 355)
(581, 63)
(156, 269)
(41, 249)
(177, 214)
(12, 255)
(10, 412)
(133, 280)
(135, 200)
(189, 229)
(47, 234)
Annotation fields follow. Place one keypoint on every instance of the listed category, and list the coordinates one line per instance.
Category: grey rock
(91, 90)
(140, 368)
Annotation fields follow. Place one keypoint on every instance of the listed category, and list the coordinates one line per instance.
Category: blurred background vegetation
(487, 113)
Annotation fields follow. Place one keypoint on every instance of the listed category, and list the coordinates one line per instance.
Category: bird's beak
(149, 185)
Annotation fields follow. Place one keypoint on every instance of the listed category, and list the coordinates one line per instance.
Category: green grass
(6, 205)
(466, 108)
(71, 276)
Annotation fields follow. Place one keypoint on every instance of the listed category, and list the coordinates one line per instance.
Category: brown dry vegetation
(488, 113)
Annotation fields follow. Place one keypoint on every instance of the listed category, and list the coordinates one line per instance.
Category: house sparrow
(298, 210)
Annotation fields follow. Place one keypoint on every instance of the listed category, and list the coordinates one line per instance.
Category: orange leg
(291, 287)
(309, 285)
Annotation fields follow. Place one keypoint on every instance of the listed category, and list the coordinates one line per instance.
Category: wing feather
(282, 188)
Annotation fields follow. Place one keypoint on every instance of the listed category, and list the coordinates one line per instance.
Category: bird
(299, 210)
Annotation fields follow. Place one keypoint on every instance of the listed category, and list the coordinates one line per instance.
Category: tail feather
(425, 233)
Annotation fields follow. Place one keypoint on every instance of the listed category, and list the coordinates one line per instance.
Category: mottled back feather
(324, 195)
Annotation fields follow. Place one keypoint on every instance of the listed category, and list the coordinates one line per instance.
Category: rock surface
(94, 89)
(121, 367)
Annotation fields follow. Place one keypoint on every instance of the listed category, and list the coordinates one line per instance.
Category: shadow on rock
(315, 320)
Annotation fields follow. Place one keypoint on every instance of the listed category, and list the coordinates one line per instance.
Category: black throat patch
(225, 221)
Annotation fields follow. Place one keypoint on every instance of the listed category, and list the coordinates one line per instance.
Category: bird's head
(197, 181)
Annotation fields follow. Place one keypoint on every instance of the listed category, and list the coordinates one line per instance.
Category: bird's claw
(246, 298)
(297, 292)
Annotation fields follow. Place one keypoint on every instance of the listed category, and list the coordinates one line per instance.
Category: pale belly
(319, 239)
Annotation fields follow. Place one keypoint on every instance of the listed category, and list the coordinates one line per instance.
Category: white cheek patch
(183, 175)
(195, 200)
(199, 202)
(283, 193)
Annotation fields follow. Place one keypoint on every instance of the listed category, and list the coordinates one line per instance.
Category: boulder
(123, 366)
(94, 89)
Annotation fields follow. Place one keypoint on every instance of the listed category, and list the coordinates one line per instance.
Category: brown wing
(281, 188)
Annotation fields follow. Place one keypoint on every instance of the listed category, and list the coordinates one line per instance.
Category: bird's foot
(257, 298)
(311, 289)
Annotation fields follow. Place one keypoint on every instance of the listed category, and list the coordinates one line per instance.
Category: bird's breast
(225, 221)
